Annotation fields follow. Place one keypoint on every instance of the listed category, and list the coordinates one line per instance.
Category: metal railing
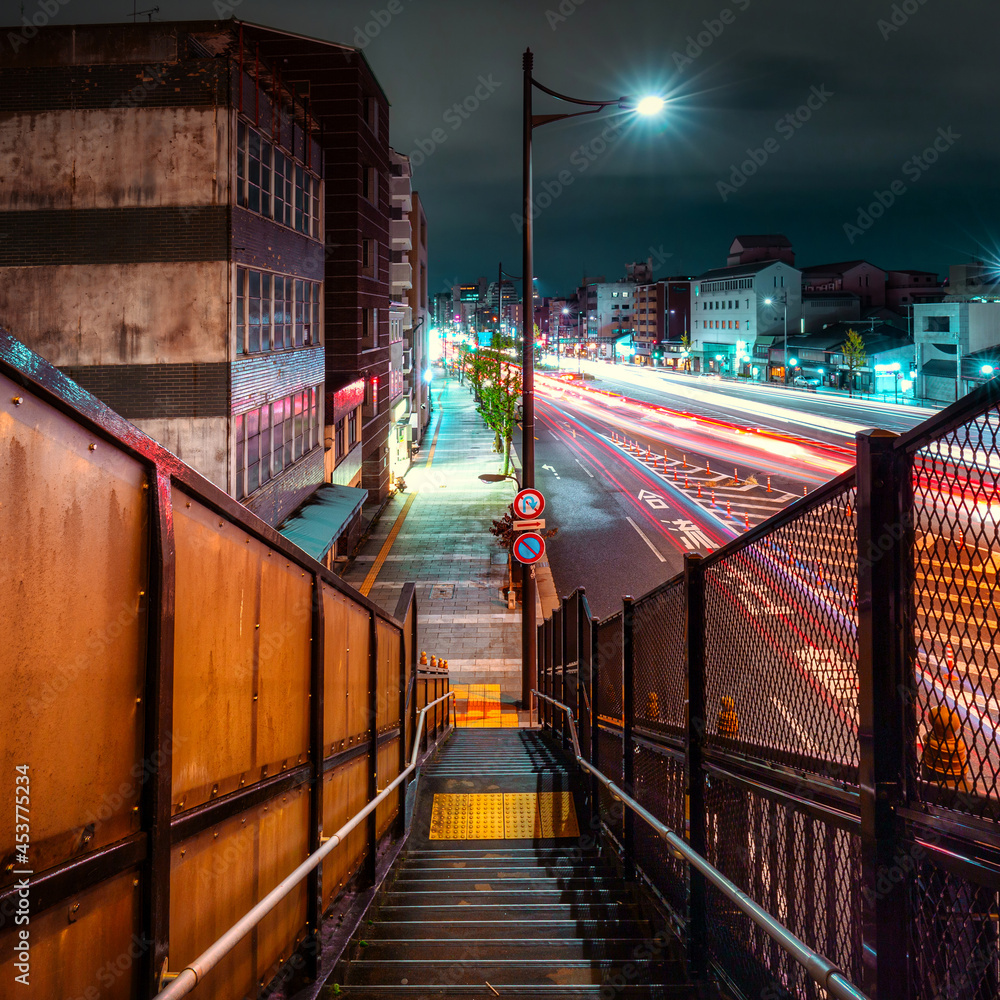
(189, 978)
(817, 705)
(822, 970)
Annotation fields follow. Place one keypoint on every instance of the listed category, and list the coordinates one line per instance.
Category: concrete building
(173, 264)
(416, 360)
(650, 321)
(738, 312)
(610, 314)
(820, 356)
(756, 249)
(400, 313)
(442, 309)
(944, 334)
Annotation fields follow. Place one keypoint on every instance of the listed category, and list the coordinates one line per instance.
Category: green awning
(317, 524)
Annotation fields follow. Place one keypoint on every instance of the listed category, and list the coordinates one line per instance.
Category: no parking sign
(529, 547)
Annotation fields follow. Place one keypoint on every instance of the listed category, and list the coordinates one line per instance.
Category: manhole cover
(442, 591)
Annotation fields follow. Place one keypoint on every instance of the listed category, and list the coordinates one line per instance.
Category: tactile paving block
(450, 817)
(520, 816)
(557, 814)
(486, 816)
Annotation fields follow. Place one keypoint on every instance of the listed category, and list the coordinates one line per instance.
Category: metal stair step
(524, 912)
(462, 878)
(499, 895)
(469, 966)
(553, 992)
(435, 929)
(556, 949)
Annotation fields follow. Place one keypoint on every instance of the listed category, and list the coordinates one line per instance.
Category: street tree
(855, 356)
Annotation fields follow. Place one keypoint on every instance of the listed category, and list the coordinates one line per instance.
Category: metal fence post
(371, 861)
(314, 881)
(595, 674)
(694, 634)
(885, 538)
(564, 657)
(628, 721)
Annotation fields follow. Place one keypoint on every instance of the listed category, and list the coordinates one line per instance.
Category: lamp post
(784, 301)
(529, 122)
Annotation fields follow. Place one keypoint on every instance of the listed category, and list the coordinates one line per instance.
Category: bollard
(713, 496)
(653, 706)
(685, 481)
(848, 512)
(728, 725)
(675, 473)
(685, 461)
(445, 664)
(699, 491)
(945, 757)
(648, 453)
(708, 467)
(729, 511)
(746, 519)
(768, 484)
(949, 658)
(434, 662)
(736, 476)
(805, 490)
(423, 659)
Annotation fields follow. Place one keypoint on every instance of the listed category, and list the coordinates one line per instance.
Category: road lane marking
(585, 469)
(387, 545)
(645, 539)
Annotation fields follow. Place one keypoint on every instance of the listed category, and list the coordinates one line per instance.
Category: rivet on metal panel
(215, 789)
(284, 764)
(92, 446)
(263, 771)
(183, 851)
(138, 700)
(16, 400)
(135, 809)
(257, 625)
(221, 523)
(135, 883)
(9, 868)
(215, 835)
(73, 910)
(189, 503)
(142, 593)
(243, 778)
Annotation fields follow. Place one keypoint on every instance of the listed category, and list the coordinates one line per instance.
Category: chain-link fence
(816, 706)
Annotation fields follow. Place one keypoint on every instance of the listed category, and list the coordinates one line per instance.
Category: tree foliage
(497, 384)
(855, 355)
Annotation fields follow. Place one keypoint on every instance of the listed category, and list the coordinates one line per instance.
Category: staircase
(531, 918)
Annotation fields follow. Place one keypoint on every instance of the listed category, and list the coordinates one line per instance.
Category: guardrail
(823, 972)
(195, 972)
(817, 705)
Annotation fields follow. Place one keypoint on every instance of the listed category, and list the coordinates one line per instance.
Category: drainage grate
(442, 591)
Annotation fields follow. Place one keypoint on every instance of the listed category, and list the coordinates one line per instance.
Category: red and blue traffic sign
(529, 547)
(529, 503)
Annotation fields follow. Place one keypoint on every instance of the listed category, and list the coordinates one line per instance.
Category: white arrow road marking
(645, 539)
(585, 469)
(690, 534)
(653, 499)
(552, 470)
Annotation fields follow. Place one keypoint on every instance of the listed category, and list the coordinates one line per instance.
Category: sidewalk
(436, 535)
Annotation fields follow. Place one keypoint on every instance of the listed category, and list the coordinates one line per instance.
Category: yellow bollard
(444, 664)
(728, 725)
(653, 706)
(423, 659)
(945, 758)
(434, 662)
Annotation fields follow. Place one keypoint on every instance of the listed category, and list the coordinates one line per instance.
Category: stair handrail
(820, 968)
(195, 972)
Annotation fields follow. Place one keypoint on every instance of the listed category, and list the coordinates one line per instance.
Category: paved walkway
(437, 536)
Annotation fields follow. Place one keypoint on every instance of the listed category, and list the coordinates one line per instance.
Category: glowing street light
(987, 369)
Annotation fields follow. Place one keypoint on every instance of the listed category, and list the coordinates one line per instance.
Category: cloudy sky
(788, 116)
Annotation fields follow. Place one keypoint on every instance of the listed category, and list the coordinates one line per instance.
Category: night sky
(885, 80)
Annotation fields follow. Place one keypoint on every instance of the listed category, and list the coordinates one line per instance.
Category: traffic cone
(768, 484)
(945, 756)
(728, 724)
(685, 481)
(708, 467)
(699, 491)
(653, 706)
(949, 657)
(685, 461)
(746, 519)
(736, 476)
(713, 496)
(675, 473)
(729, 512)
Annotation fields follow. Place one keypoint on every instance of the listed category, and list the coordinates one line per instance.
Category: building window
(240, 431)
(338, 438)
(369, 258)
(369, 185)
(369, 329)
(265, 302)
(371, 114)
(352, 428)
(937, 324)
(241, 305)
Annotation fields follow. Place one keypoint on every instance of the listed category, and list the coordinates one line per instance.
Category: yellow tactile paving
(520, 816)
(557, 814)
(450, 817)
(486, 816)
(477, 706)
(503, 816)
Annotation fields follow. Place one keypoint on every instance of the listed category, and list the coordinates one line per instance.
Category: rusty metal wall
(159, 659)
(74, 580)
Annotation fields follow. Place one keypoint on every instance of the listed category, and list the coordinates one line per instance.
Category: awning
(322, 518)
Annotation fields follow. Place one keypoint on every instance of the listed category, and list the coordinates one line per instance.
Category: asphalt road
(817, 415)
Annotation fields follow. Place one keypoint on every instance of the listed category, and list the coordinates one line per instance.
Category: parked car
(804, 382)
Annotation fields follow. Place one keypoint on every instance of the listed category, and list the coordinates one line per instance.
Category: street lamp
(784, 302)
(646, 106)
